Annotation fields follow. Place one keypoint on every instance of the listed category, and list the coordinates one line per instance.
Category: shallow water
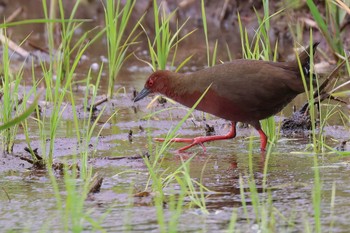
(290, 177)
(27, 201)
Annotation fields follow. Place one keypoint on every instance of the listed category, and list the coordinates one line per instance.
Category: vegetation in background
(9, 85)
(117, 18)
(174, 190)
(15, 121)
(330, 25)
(165, 41)
(257, 49)
(59, 75)
(211, 59)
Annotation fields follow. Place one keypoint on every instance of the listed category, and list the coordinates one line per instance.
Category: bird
(239, 91)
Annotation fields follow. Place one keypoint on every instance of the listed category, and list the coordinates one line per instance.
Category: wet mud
(118, 153)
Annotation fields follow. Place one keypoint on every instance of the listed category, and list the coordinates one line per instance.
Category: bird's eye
(150, 82)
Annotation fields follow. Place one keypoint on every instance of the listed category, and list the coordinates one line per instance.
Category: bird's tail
(304, 58)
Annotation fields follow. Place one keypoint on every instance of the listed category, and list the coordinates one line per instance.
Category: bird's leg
(263, 137)
(263, 140)
(201, 140)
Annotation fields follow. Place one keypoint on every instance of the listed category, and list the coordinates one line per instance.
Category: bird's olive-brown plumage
(241, 90)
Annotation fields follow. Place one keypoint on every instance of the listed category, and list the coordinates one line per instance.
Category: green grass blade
(21, 117)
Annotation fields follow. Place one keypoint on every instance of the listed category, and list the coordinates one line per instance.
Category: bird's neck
(180, 87)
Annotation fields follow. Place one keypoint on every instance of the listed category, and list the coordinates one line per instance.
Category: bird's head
(156, 82)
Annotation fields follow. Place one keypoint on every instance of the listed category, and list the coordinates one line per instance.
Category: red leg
(201, 140)
(263, 140)
(263, 137)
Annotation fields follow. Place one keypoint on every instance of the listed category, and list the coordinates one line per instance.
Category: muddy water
(27, 201)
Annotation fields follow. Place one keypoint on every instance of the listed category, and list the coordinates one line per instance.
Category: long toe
(182, 149)
(159, 139)
(191, 145)
(184, 140)
(203, 147)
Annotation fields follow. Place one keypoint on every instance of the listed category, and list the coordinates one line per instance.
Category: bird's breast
(214, 104)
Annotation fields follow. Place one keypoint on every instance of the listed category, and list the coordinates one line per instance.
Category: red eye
(150, 82)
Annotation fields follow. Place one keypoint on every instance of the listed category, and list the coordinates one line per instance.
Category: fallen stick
(14, 15)
(13, 46)
(97, 103)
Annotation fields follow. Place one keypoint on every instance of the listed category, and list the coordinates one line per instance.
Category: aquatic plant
(117, 18)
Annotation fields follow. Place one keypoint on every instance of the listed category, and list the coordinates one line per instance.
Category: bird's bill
(142, 94)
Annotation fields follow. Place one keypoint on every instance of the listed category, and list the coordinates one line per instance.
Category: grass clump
(117, 20)
(260, 48)
(165, 41)
(330, 25)
(13, 107)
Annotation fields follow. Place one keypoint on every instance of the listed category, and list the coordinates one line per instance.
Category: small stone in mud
(141, 129)
(142, 194)
(161, 100)
(146, 155)
(297, 123)
(104, 59)
(38, 112)
(343, 146)
(20, 101)
(95, 66)
(243, 125)
(130, 135)
(209, 130)
(194, 122)
(134, 109)
(134, 93)
(96, 183)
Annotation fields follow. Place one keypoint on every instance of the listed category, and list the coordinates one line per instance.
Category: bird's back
(243, 90)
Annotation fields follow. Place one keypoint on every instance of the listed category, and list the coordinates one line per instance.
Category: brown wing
(257, 88)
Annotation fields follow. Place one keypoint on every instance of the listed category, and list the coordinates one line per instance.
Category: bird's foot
(191, 141)
(201, 140)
